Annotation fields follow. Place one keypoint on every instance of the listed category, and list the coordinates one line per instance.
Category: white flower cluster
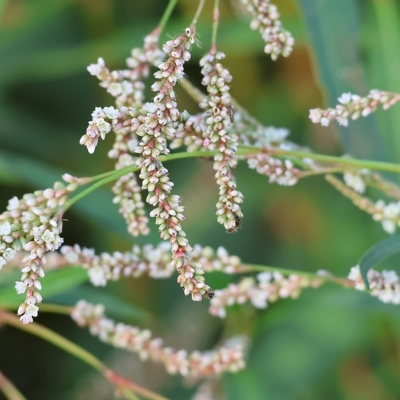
(155, 261)
(281, 172)
(387, 214)
(195, 365)
(33, 224)
(353, 106)
(385, 285)
(192, 133)
(218, 137)
(160, 122)
(354, 180)
(265, 18)
(126, 85)
(103, 121)
(268, 287)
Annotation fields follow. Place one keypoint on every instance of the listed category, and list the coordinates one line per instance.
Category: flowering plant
(151, 129)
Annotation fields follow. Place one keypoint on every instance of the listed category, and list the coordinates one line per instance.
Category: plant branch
(167, 13)
(324, 276)
(9, 390)
(117, 380)
(215, 27)
(198, 12)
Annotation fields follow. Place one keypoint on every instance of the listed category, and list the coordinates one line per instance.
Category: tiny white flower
(9, 254)
(126, 87)
(111, 112)
(259, 298)
(315, 115)
(5, 229)
(103, 125)
(96, 276)
(390, 277)
(115, 89)
(345, 98)
(48, 236)
(388, 226)
(13, 204)
(325, 121)
(354, 180)
(20, 287)
(94, 69)
(150, 107)
(342, 121)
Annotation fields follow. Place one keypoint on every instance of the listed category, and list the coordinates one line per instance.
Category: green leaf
(381, 39)
(334, 30)
(53, 283)
(377, 253)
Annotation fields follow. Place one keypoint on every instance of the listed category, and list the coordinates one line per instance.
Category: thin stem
(310, 275)
(9, 390)
(215, 27)
(374, 165)
(167, 13)
(198, 12)
(117, 380)
(109, 178)
(50, 308)
(242, 150)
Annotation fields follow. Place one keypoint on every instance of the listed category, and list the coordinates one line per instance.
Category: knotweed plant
(144, 130)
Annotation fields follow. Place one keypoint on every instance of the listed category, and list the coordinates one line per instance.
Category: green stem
(120, 382)
(215, 27)
(373, 165)
(9, 390)
(167, 13)
(310, 275)
(242, 150)
(198, 12)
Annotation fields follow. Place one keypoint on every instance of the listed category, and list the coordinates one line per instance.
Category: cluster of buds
(161, 121)
(280, 171)
(103, 121)
(218, 137)
(353, 106)
(155, 261)
(126, 85)
(192, 133)
(33, 224)
(385, 285)
(196, 365)
(268, 287)
(265, 18)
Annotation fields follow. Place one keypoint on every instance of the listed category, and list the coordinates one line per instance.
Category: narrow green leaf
(333, 28)
(378, 253)
(53, 283)
(382, 38)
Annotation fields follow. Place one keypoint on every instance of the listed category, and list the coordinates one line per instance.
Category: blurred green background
(331, 343)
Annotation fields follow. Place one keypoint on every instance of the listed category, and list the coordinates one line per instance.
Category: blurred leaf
(114, 306)
(383, 34)
(377, 253)
(43, 64)
(53, 283)
(334, 30)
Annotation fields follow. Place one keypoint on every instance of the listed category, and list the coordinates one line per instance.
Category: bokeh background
(331, 343)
